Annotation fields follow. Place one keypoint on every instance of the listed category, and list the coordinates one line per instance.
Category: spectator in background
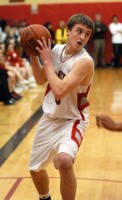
(99, 42)
(12, 37)
(60, 34)
(23, 23)
(3, 35)
(2, 48)
(49, 26)
(21, 65)
(11, 76)
(3, 23)
(115, 28)
(5, 95)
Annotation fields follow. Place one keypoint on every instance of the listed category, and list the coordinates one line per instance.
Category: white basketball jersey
(75, 104)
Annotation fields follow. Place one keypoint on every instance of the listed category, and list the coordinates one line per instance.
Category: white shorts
(54, 136)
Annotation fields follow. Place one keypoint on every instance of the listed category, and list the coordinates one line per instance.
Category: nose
(83, 36)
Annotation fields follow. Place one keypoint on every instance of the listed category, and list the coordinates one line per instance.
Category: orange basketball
(30, 35)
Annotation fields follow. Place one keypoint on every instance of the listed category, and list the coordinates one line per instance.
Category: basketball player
(104, 121)
(68, 69)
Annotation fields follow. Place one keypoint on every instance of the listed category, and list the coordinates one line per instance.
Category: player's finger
(97, 118)
(99, 122)
(44, 42)
(49, 43)
(40, 45)
(38, 49)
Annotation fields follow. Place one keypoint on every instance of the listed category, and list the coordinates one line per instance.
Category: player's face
(78, 36)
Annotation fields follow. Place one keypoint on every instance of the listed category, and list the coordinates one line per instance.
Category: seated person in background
(104, 121)
(14, 76)
(21, 64)
(5, 95)
(10, 76)
(2, 48)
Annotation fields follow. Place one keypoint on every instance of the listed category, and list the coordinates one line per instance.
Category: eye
(87, 34)
(79, 31)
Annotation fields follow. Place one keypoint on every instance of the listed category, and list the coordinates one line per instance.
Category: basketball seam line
(36, 35)
(28, 43)
(33, 32)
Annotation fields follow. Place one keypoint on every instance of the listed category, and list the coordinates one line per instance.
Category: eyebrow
(88, 31)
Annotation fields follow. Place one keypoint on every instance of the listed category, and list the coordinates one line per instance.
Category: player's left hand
(44, 51)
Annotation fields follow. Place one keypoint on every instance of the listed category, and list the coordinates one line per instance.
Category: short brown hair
(80, 19)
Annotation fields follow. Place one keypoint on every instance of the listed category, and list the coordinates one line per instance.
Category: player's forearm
(38, 70)
(55, 82)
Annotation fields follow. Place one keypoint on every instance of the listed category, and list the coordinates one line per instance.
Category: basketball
(30, 35)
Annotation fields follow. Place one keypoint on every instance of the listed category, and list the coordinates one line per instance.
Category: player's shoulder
(84, 54)
(85, 60)
(58, 47)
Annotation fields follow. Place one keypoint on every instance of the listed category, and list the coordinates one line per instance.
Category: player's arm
(38, 70)
(106, 122)
(80, 74)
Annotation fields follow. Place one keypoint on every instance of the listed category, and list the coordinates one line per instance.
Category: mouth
(79, 43)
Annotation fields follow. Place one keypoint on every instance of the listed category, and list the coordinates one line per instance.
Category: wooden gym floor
(98, 166)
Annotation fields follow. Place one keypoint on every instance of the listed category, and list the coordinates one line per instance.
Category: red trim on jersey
(82, 101)
(47, 89)
(76, 131)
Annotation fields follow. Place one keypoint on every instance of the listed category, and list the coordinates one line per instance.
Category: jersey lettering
(61, 75)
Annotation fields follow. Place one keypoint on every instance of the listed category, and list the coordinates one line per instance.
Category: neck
(68, 51)
(66, 54)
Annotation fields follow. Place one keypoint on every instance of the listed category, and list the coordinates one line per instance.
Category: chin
(79, 47)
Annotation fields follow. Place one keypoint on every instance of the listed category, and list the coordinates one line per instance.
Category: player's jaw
(77, 45)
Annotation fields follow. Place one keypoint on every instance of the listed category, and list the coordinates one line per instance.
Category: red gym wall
(57, 12)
